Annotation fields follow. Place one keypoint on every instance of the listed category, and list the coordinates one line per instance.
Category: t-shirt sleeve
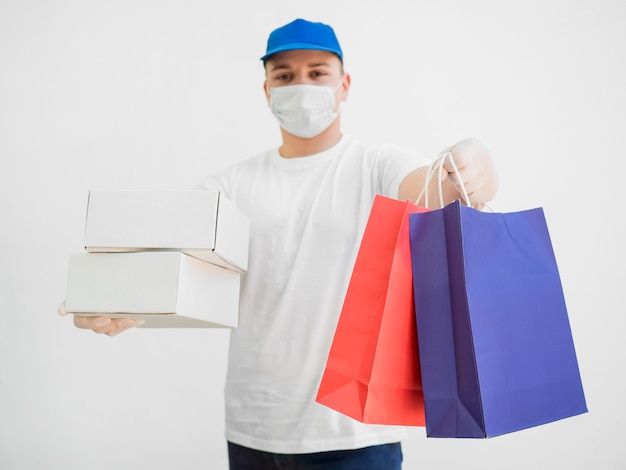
(393, 164)
(210, 183)
(226, 180)
(219, 181)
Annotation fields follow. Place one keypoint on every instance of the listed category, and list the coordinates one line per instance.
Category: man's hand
(102, 324)
(476, 169)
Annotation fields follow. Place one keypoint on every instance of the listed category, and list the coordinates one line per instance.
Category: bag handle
(437, 166)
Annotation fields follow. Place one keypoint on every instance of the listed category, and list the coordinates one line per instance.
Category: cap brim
(300, 45)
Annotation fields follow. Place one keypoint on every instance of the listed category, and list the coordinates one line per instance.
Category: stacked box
(170, 258)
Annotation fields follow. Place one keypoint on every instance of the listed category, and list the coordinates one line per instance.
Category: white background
(157, 94)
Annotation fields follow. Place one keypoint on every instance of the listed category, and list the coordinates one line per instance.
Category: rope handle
(437, 166)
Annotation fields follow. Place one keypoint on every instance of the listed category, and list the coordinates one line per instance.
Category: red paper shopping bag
(372, 373)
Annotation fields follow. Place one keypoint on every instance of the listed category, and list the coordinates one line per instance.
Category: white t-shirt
(307, 216)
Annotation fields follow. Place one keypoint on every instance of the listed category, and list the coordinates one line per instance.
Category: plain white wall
(130, 94)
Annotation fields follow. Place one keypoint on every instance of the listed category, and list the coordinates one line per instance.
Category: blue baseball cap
(303, 34)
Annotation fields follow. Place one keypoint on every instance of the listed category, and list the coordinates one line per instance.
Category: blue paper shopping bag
(495, 343)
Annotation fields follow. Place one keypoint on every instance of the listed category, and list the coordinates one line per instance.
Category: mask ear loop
(437, 167)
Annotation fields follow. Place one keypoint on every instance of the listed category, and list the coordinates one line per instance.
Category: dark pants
(381, 457)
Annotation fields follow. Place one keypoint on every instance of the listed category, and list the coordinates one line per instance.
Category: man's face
(306, 67)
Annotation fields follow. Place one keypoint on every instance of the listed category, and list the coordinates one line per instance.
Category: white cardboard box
(202, 224)
(165, 289)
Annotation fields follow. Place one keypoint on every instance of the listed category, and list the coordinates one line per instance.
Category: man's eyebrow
(319, 64)
(286, 66)
(280, 66)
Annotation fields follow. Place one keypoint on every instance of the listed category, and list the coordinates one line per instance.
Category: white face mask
(304, 110)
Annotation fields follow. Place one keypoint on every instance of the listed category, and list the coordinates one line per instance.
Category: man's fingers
(465, 152)
(91, 323)
(466, 175)
(473, 185)
(106, 325)
(460, 161)
(121, 324)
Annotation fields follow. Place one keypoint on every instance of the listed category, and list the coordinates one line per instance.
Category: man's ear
(346, 80)
(266, 91)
